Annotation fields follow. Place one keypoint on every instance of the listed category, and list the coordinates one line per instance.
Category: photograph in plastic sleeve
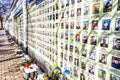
(72, 25)
(86, 10)
(94, 25)
(116, 43)
(78, 1)
(72, 2)
(56, 15)
(62, 15)
(84, 38)
(84, 52)
(62, 35)
(50, 25)
(48, 17)
(76, 62)
(53, 24)
(72, 13)
(92, 55)
(85, 25)
(115, 62)
(77, 24)
(51, 17)
(77, 37)
(71, 48)
(104, 42)
(71, 36)
(57, 24)
(93, 40)
(66, 36)
(82, 76)
(53, 50)
(78, 11)
(61, 63)
(53, 33)
(66, 25)
(65, 66)
(66, 46)
(117, 24)
(53, 8)
(57, 6)
(62, 45)
(77, 49)
(91, 69)
(62, 3)
(106, 24)
(50, 57)
(101, 74)
(107, 6)
(83, 65)
(67, 2)
(61, 55)
(118, 8)
(96, 8)
(70, 59)
(67, 14)
(65, 57)
(103, 58)
(114, 77)
(62, 25)
(75, 71)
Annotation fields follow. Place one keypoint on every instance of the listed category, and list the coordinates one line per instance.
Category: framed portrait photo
(84, 38)
(91, 69)
(76, 62)
(83, 65)
(104, 42)
(101, 74)
(86, 10)
(92, 55)
(82, 76)
(85, 25)
(84, 52)
(78, 11)
(106, 24)
(93, 40)
(115, 62)
(96, 8)
(94, 25)
(116, 43)
(77, 37)
(103, 58)
(117, 24)
(118, 7)
(107, 6)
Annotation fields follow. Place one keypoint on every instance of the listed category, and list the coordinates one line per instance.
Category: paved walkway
(9, 62)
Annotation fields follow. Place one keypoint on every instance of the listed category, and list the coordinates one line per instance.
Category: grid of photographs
(73, 30)
(19, 28)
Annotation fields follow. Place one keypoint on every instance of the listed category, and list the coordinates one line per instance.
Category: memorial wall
(82, 36)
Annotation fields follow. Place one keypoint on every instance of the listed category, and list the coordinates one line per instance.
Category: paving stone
(9, 64)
